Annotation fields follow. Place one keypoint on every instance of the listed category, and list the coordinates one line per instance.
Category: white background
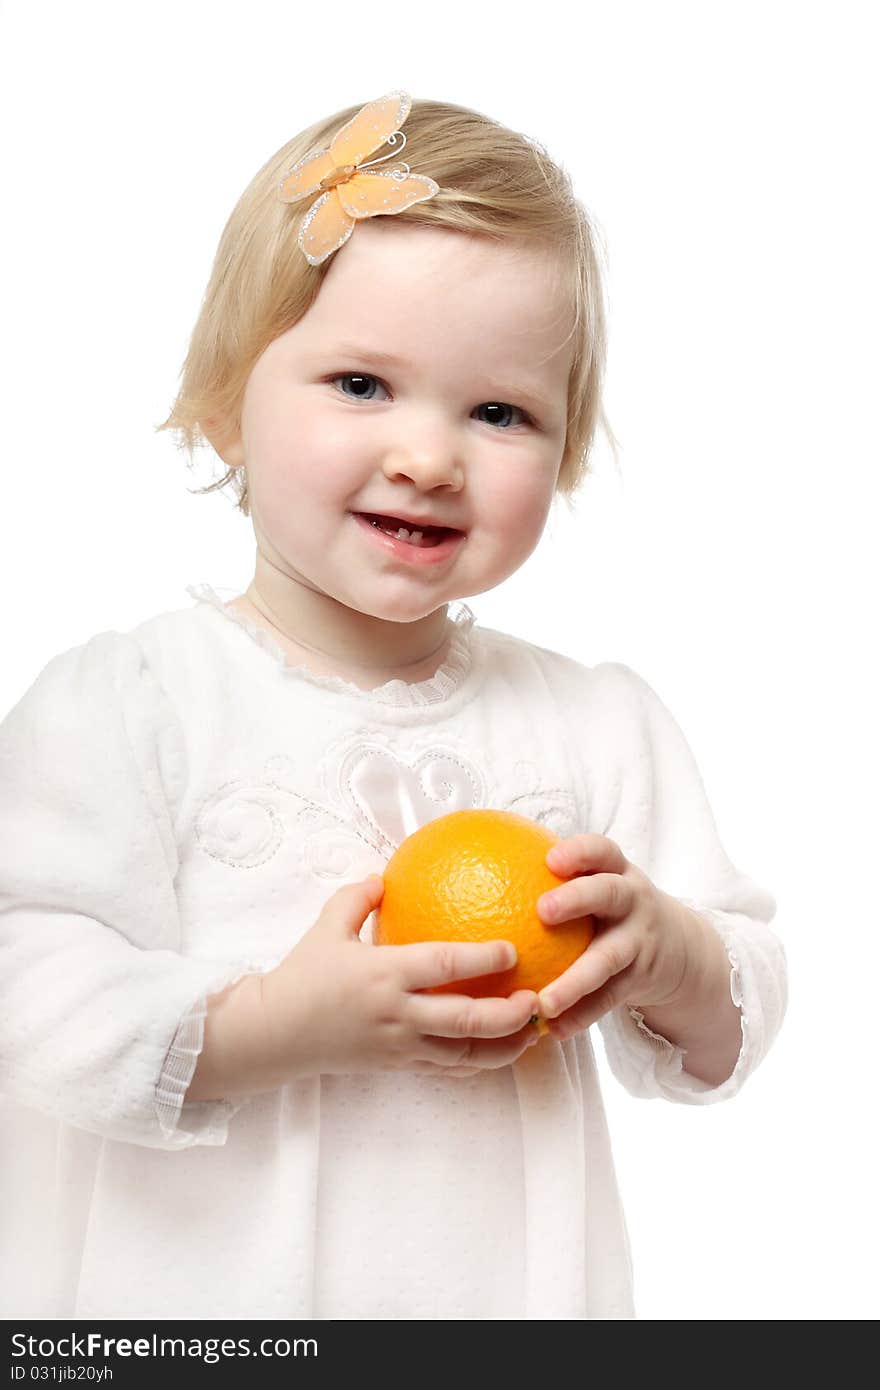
(727, 153)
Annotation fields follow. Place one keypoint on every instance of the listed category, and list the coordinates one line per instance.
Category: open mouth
(422, 536)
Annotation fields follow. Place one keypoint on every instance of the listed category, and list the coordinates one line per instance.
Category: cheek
(517, 506)
(305, 457)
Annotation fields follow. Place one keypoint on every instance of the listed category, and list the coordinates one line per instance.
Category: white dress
(176, 805)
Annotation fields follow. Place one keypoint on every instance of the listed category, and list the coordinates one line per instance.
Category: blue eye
(501, 405)
(355, 376)
(364, 377)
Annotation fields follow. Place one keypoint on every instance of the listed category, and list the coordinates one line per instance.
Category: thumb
(350, 906)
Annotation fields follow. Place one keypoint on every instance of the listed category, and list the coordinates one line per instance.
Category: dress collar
(447, 678)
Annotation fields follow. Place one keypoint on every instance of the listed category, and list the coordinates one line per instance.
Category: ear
(224, 440)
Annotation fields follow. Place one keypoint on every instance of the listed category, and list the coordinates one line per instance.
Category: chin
(406, 610)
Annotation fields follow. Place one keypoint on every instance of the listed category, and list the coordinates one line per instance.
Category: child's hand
(645, 944)
(337, 1004)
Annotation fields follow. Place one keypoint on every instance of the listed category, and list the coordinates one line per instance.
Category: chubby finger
(610, 896)
(434, 1068)
(613, 951)
(483, 1054)
(427, 963)
(348, 908)
(460, 1016)
(590, 1009)
(587, 853)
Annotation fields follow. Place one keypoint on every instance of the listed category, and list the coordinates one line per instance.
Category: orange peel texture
(477, 876)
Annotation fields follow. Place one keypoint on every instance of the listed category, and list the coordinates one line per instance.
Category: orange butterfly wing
(371, 193)
(325, 227)
(305, 177)
(370, 128)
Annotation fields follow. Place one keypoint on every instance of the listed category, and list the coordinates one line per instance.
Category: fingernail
(547, 907)
(548, 1005)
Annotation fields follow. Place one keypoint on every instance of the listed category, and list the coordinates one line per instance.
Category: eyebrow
(530, 395)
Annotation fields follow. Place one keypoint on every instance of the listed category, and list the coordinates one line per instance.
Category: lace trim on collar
(447, 678)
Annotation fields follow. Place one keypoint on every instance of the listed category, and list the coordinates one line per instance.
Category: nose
(426, 464)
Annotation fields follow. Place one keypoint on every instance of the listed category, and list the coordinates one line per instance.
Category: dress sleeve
(660, 816)
(100, 1014)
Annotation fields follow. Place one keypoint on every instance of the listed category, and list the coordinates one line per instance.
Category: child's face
(329, 431)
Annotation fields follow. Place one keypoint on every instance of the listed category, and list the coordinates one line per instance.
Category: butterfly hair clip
(350, 189)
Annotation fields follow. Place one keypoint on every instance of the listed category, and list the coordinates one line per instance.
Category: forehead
(390, 283)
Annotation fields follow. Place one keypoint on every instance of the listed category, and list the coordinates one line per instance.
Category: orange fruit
(477, 876)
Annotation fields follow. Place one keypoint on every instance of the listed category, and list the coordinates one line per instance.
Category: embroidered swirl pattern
(369, 801)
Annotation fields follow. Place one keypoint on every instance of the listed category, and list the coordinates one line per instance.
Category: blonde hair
(494, 183)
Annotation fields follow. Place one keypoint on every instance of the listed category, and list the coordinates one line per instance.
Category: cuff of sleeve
(184, 1123)
(649, 1065)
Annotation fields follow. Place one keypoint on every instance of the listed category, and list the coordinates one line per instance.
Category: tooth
(415, 537)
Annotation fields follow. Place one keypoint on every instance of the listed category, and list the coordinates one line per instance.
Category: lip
(413, 554)
(414, 523)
